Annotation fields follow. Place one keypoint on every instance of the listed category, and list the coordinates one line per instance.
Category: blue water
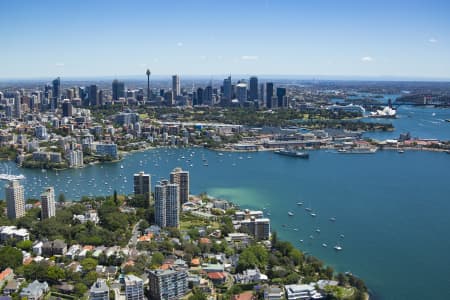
(392, 208)
(422, 122)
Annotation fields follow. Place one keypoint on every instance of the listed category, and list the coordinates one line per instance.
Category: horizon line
(307, 77)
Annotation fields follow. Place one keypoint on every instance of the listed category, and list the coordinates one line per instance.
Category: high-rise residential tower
(15, 201)
(176, 86)
(48, 203)
(180, 177)
(167, 204)
(142, 185)
(17, 105)
(56, 93)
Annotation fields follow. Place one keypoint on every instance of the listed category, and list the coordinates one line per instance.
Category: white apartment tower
(180, 177)
(15, 201)
(167, 204)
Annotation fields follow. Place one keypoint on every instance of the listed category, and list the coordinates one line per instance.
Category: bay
(392, 208)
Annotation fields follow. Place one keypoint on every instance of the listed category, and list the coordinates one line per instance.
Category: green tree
(25, 245)
(88, 264)
(61, 198)
(157, 259)
(10, 257)
(80, 289)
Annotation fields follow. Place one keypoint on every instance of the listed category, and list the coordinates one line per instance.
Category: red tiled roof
(216, 275)
(5, 273)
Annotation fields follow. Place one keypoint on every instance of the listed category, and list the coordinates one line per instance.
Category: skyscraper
(199, 96)
(118, 89)
(142, 185)
(48, 203)
(15, 202)
(176, 86)
(56, 93)
(148, 83)
(180, 177)
(241, 92)
(167, 204)
(269, 94)
(207, 98)
(17, 105)
(281, 94)
(227, 91)
(253, 92)
(93, 96)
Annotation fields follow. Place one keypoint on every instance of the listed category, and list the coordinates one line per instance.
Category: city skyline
(320, 39)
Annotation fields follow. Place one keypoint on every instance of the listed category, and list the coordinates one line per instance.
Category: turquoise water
(392, 208)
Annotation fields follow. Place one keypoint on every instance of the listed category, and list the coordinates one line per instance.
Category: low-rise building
(35, 290)
(56, 247)
(301, 291)
(12, 232)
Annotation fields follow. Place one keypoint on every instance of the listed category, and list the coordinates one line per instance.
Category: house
(273, 293)
(11, 288)
(301, 291)
(56, 247)
(5, 275)
(37, 248)
(250, 276)
(217, 277)
(35, 290)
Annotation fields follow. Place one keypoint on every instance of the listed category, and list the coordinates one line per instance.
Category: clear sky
(75, 38)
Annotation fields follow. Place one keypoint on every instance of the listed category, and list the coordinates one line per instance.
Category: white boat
(290, 213)
(318, 230)
(121, 166)
(299, 203)
(308, 209)
(295, 229)
(333, 219)
(401, 151)
(301, 241)
(313, 214)
(337, 248)
(324, 245)
(220, 154)
(342, 236)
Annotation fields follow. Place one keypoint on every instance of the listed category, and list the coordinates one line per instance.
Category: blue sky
(407, 39)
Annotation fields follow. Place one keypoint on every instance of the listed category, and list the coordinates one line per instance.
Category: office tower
(168, 98)
(167, 204)
(269, 94)
(99, 290)
(176, 86)
(180, 177)
(67, 108)
(142, 185)
(199, 96)
(48, 203)
(15, 202)
(207, 98)
(56, 93)
(118, 89)
(253, 92)
(241, 92)
(17, 105)
(92, 95)
(227, 90)
(281, 94)
(148, 73)
(134, 288)
(167, 284)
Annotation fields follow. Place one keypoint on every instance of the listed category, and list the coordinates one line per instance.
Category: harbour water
(392, 208)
